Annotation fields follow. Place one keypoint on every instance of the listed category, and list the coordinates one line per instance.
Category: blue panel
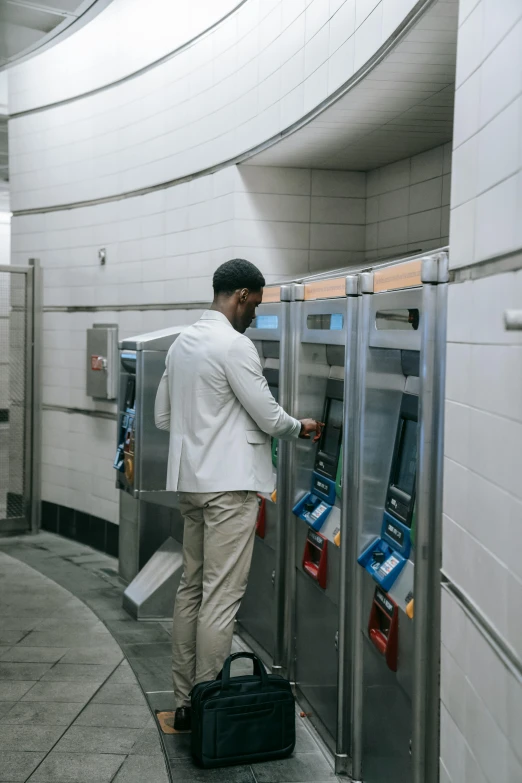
(383, 563)
(396, 534)
(385, 558)
(266, 322)
(336, 322)
(323, 487)
(313, 510)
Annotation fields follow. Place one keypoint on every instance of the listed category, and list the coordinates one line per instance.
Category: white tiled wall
(486, 194)
(408, 204)
(323, 214)
(149, 35)
(163, 248)
(481, 706)
(78, 450)
(482, 525)
(482, 549)
(254, 75)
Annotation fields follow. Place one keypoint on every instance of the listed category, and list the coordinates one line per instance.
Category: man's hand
(311, 425)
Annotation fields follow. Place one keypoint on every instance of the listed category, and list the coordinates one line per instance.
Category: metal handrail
(488, 631)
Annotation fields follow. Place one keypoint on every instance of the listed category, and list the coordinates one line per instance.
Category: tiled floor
(80, 680)
(65, 688)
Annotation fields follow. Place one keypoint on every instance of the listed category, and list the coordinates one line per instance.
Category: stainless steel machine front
(261, 615)
(396, 585)
(359, 515)
(315, 517)
(148, 514)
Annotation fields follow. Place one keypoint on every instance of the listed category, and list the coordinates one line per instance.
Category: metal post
(34, 388)
(433, 685)
(284, 458)
(294, 337)
(350, 486)
(425, 703)
(357, 640)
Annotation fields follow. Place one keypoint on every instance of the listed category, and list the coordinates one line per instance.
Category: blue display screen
(336, 321)
(266, 322)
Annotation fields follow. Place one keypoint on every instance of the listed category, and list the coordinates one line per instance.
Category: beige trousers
(217, 551)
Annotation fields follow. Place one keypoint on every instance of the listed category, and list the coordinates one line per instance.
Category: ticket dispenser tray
(315, 558)
(313, 510)
(383, 627)
(150, 594)
(385, 558)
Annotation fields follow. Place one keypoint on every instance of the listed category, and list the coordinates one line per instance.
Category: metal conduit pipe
(357, 639)
(348, 568)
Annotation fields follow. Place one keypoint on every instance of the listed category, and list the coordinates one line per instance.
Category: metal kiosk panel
(396, 591)
(151, 527)
(315, 520)
(257, 616)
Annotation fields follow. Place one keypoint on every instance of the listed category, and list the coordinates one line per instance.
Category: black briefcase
(239, 720)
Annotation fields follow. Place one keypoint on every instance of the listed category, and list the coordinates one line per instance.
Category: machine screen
(130, 392)
(407, 457)
(266, 322)
(331, 440)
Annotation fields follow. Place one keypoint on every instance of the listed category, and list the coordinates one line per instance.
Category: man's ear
(243, 295)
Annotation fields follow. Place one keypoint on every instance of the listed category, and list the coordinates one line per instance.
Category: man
(216, 403)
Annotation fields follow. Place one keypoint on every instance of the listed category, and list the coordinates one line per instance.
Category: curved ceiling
(128, 38)
(28, 25)
(399, 107)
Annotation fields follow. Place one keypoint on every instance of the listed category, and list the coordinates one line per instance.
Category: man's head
(238, 290)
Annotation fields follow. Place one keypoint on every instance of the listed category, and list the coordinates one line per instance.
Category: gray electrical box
(102, 361)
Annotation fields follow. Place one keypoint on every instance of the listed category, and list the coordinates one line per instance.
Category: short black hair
(235, 274)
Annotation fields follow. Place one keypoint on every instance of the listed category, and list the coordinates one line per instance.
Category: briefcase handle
(259, 669)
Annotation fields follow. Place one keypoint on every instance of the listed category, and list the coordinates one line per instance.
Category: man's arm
(162, 403)
(245, 375)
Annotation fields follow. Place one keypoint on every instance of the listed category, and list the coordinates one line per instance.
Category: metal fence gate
(19, 398)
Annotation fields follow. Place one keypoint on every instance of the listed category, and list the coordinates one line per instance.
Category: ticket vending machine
(257, 616)
(396, 587)
(150, 525)
(319, 321)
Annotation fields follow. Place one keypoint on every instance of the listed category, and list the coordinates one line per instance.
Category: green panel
(275, 444)
(338, 490)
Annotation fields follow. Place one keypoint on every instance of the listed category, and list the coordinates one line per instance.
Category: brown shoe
(183, 719)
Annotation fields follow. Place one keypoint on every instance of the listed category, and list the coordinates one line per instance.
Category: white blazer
(216, 403)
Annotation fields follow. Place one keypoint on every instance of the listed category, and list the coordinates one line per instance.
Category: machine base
(151, 594)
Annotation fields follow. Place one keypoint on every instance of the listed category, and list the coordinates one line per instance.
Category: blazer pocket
(256, 436)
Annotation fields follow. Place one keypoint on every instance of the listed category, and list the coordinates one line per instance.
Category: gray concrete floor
(80, 681)
(71, 708)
